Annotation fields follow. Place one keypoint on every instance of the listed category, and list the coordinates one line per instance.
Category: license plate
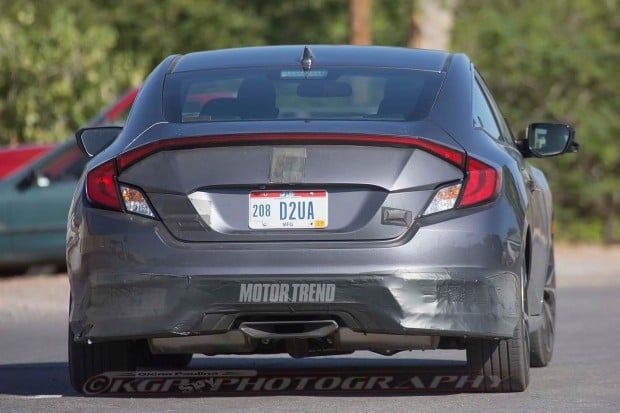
(288, 209)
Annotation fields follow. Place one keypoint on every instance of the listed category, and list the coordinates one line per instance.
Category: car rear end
(316, 231)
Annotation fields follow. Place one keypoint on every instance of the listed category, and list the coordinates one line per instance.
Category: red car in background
(13, 158)
(35, 193)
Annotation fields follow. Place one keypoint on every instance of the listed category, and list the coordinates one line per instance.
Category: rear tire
(543, 338)
(89, 360)
(504, 364)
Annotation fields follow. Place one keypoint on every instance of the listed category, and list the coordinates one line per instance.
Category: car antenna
(306, 60)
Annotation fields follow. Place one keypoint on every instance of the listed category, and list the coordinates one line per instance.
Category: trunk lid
(374, 185)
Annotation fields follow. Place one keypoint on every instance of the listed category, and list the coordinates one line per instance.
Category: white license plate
(288, 209)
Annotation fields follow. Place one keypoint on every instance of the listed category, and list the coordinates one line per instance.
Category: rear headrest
(257, 99)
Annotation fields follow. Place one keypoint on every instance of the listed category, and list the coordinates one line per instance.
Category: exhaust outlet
(289, 329)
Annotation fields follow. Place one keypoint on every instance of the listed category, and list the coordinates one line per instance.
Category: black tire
(542, 339)
(503, 364)
(89, 360)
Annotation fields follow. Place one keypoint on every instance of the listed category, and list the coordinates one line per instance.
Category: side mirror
(549, 139)
(27, 181)
(94, 140)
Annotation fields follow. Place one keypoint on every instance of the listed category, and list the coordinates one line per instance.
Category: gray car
(324, 200)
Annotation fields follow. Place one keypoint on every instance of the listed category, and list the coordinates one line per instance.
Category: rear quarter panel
(540, 213)
(456, 120)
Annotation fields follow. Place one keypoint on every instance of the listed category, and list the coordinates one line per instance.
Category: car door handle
(532, 185)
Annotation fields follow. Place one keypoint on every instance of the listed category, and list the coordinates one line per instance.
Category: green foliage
(557, 60)
(390, 22)
(55, 73)
(158, 29)
(62, 61)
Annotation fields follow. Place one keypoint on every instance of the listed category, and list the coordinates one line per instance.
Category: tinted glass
(65, 166)
(291, 94)
(483, 115)
(504, 127)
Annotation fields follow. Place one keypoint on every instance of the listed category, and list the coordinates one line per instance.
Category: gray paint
(151, 283)
(457, 273)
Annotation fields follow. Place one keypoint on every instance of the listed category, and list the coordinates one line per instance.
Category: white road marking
(34, 396)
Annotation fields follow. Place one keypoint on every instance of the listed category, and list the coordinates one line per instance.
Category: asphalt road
(583, 376)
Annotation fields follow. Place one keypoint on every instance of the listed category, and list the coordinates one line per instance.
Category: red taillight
(482, 183)
(101, 186)
(449, 154)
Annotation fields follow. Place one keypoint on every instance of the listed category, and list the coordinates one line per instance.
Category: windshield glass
(328, 93)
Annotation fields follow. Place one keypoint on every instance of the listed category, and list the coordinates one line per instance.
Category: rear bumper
(131, 279)
(441, 302)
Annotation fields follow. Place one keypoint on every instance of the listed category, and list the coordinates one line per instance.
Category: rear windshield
(326, 93)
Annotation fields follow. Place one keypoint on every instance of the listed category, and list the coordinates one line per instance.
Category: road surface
(583, 375)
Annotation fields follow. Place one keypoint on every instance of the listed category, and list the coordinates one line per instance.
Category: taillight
(135, 201)
(452, 155)
(482, 184)
(101, 187)
(103, 191)
(444, 199)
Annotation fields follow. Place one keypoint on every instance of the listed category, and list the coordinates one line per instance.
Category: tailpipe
(273, 330)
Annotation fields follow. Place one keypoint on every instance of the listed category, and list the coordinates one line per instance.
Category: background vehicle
(35, 199)
(346, 198)
(13, 158)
